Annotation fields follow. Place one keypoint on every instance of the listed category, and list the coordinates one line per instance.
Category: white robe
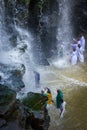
(74, 45)
(80, 54)
(82, 41)
(63, 105)
(74, 58)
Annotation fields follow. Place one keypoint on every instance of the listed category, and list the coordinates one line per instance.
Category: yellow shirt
(49, 98)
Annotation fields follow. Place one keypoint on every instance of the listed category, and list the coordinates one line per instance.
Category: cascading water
(21, 54)
(3, 35)
(64, 25)
(65, 33)
(72, 80)
(40, 29)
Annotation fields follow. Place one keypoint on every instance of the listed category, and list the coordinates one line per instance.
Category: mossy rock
(26, 2)
(35, 101)
(7, 97)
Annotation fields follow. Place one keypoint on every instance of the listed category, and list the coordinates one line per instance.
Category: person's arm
(45, 94)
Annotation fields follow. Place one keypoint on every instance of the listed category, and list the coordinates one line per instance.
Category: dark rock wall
(16, 13)
(49, 22)
(80, 16)
(15, 115)
(41, 17)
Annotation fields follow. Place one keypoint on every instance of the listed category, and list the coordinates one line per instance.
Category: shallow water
(73, 82)
(75, 117)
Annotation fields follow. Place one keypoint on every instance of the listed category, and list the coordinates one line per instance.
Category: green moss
(26, 2)
(33, 101)
(6, 96)
(44, 3)
(6, 99)
(41, 5)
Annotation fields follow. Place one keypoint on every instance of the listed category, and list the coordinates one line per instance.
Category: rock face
(41, 18)
(80, 16)
(39, 119)
(7, 99)
(24, 114)
(11, 76)
(43, 21)
(7, 109)
(44, 18)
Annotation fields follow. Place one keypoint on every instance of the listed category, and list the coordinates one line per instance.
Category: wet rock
(7, 100)
(43, 21)
(12, 76)
(2, 122)
(36, 103)
(12, 125)
(80, 16)
(0, 77)
(22, 114)
(10, 110)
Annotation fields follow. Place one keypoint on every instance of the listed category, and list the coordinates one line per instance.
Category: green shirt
(59, 98)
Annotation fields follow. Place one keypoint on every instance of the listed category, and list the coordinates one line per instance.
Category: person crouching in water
(62, 108)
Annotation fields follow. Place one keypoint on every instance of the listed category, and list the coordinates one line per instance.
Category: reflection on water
(73, 82)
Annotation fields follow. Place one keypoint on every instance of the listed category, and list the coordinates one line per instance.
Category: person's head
(79, 45)
(74, 49)
(42, 91)
(35, 72)
(48, 90)
(58, 90)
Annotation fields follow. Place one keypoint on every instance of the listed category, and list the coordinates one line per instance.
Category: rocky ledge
(28, 113)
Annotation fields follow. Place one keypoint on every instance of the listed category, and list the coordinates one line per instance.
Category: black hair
(48, 90)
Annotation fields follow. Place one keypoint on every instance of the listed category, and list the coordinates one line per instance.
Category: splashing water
(21, 54)
(64, 34)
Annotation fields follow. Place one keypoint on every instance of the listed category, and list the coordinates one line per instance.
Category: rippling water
(73, 82)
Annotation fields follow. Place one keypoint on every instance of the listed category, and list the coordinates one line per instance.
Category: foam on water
(63, 62)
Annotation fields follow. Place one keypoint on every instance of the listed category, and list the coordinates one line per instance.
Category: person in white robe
(74, 57)
(62, 108)
(74, 45)
(82, 42)
(80, 51)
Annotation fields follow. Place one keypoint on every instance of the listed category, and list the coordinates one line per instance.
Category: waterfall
(25, 41)
(40, 31)
(20, 54)
(64, 33)
(3, 35)
(40, 16)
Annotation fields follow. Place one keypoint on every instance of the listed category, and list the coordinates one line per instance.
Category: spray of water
(21, 54)
(3, 35)
(64, 34)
